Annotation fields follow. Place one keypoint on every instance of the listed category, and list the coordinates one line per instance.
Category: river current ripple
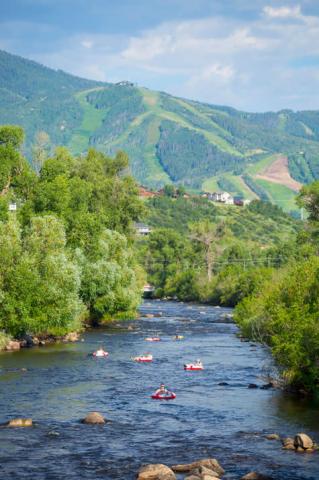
(62, 384)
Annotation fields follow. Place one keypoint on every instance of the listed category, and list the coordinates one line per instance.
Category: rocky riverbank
(210, 468)
(205, 469)
(29, 341)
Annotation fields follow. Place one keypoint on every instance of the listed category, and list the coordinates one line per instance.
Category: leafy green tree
(309, 199)
(284, 316)
(169, 190)
(40, 150)
(11, 161)
(111, 282)
(168, 253)
(39, 283)
(11, 135)
(209, 236)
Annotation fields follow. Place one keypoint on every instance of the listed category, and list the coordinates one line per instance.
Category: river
(61, 384)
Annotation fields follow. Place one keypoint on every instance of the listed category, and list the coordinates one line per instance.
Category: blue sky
(254, 55)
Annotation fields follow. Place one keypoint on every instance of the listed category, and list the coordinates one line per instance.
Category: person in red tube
(162, 390)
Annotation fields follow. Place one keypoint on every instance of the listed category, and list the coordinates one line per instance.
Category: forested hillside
(168, 139)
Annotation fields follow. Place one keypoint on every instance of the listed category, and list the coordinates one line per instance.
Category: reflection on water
(62, 383)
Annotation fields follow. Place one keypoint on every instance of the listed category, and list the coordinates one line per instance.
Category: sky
(254, 55)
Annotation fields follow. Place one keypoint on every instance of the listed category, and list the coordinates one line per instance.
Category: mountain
(168, 139)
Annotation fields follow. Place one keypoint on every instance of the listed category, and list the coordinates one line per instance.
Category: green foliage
(234, 283)
(11, 135)
(211, 253)
(267, 209)
(284, 316)
(169, 190)
(309, 199)
(38, 283)
(262, 227)
(167, 254)
(67, 253)
(110, 281)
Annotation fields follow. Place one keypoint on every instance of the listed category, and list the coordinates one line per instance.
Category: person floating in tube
(162, 390)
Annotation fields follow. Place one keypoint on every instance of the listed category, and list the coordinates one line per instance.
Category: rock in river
(156, 471)
(210, 463)
(20, 422)
(302, 440)
(12, 345)
(288, 443)
(71, 337)
(255, 476)
(203, 473)
(94, 418)
(273, 436)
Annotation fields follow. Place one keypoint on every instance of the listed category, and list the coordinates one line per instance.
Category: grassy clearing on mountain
(92, 119)
(279, 194)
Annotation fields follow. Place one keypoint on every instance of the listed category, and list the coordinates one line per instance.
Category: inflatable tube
(152, 339)
(100, 355)
(171, 396)
(193, 367)
(143, 358)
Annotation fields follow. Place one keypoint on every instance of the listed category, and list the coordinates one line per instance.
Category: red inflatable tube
(172, 396)
(193, 367)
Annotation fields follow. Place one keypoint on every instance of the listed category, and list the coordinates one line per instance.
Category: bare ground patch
(278, 172)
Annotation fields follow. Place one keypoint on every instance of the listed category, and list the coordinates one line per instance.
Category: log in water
(62, 384)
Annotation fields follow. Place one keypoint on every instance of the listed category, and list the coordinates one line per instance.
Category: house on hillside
(143, 192)
(12, 207)
(142, 229)
(241, 202)
(221, 197)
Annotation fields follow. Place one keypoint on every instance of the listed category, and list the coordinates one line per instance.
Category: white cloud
(215, 72)
(87, 43)
(283, 12)
(246, 63)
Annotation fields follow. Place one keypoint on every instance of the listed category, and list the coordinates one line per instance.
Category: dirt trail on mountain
(278, 172)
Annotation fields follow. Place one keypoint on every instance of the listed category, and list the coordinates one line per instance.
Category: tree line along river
(59, 384)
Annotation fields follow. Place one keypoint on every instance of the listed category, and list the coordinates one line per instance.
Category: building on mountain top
(125, 83)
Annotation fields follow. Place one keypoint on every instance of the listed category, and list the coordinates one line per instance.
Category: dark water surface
(62, 384)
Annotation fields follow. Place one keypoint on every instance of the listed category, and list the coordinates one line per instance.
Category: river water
(62, 384)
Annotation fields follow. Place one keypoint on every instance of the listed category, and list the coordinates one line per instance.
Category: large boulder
(210, 463)
(302, 440)
(156, 471)
(288, 443)
(273, 436)
(12, 345)
(20, 422)
(71, 337)
(94, 418)
(255, 476)
(204, 473)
